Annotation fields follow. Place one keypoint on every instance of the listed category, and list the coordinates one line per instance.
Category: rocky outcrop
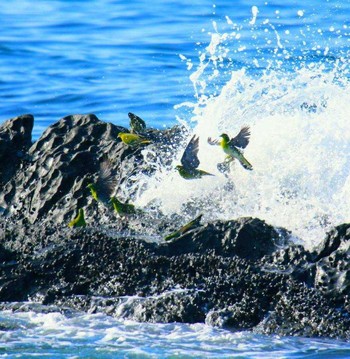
(333, 265)
(52, 181)
(15, 139)
(241, 274)
(245, 237)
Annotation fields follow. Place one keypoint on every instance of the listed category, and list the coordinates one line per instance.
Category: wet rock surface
(15, 140)
(241, 274)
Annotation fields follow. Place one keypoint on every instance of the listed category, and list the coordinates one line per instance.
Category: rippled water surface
(281, 67)
(109, 57)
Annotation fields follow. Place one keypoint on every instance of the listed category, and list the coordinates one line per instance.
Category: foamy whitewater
(298, 112)
(54, 335)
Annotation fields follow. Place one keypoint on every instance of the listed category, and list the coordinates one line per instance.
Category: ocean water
(54, 335)
(280, 67)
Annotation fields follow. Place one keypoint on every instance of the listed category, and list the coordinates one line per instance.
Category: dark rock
(305, 312)
(333, 263)
(238, 274)
(293, 260)
(333, 272)
(333, 240)
(15, 140)
(240, 316)
(249, 238)
(53, 184)
(169, 307)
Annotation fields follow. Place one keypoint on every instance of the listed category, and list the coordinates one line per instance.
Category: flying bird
(190, 162)
(137, 124)
(132, 139)
(79, 220)
(233, 147)
(105, 184)
(184, 229)
(104, 187)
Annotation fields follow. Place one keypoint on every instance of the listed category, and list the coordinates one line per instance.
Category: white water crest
(299, 145)
(80, 335)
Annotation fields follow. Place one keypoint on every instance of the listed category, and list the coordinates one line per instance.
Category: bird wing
(190, 157)
(213, 142)
(106, 181)
(242, 139)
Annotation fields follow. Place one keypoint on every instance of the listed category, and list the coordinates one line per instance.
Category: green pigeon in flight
(104, 187)
(233, 147)
(190, 162)
(105, 184)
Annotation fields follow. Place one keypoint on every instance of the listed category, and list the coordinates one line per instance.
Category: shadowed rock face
(246, 237)
(15, 139)
(333, 267)
(52, 181)
(239, 274)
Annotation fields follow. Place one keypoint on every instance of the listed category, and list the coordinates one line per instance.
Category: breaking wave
(297, 105)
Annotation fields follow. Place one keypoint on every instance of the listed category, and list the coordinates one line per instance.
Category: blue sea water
(110, 57)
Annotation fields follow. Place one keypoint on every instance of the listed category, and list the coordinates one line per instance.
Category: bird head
(81, 212)
(225, 137)
(178, 167)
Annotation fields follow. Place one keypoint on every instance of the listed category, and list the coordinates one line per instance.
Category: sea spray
(299, 146)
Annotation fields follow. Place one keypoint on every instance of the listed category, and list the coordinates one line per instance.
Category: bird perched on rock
(132, 139)
(79, 220)
(190, 162)
(105, 184)
(137, 124)
(123, 209)
(184, 229)
(232, 146)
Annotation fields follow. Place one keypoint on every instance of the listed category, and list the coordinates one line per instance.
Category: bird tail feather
(245, 163)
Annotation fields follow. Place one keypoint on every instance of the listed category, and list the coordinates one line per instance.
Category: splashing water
(296, 102)
(54, 335)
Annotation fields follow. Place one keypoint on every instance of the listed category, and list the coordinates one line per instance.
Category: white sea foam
(299, 147)
(98, 335)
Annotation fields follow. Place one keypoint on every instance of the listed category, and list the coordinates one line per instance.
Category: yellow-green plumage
(191, 173)
(79, 220)
(232, 147)
(190, 162)
(102, 189)
(93, 190)
(137, 124)
(184, 229)
(132, 139)
(123, 209)
(231, 150)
